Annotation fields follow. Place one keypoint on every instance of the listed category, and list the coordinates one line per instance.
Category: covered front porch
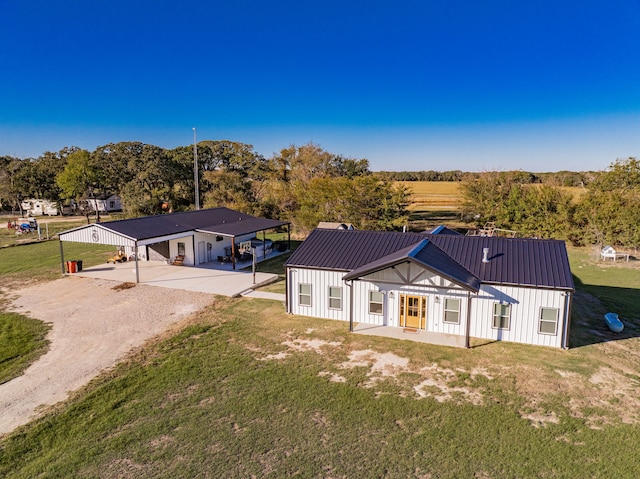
(411, 334)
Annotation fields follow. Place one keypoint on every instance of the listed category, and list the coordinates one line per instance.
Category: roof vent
(485, 255)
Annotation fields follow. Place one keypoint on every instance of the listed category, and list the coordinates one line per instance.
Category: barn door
(413, 311)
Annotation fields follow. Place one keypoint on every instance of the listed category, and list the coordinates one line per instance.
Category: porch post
(467, 343)
(62, 258)
(136, 256)
(350, 285)
(233, 251)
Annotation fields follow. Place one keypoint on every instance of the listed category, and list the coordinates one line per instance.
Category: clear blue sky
(409, 85)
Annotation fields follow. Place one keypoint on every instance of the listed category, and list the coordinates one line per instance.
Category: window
(376, 299)
(452, 311)
(304, 294)
(501, 314)
(180, 249)
(335, 297)
(548, 321)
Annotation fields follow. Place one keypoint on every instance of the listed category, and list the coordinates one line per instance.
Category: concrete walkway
(199, 279)
(264, 295)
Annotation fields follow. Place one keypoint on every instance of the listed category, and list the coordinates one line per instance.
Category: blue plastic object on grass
(613, 322)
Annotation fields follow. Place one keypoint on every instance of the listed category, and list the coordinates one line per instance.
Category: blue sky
(409, 85)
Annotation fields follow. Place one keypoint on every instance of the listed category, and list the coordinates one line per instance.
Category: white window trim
(310, 295)
(493, 317)
(381, 303)
(444, 314)
(334, 297)
(540, 321)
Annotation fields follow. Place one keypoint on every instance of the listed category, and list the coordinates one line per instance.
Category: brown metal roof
(514, 261)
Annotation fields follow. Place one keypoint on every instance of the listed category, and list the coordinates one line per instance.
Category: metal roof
(427, 255)
(222, 221)
(513, 261)
(517, 261)
(443, 230)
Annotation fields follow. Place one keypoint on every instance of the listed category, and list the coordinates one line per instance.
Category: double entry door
(413, 311)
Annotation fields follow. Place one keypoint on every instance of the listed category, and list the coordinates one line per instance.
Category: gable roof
(426, 255)
(222, 221)
(443, 230)
(512, 261)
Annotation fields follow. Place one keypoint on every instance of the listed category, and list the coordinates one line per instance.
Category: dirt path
(93, 326)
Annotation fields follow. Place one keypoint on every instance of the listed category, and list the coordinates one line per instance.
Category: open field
(49, 228)
(447, 195)
(433, 195)
(244, 390)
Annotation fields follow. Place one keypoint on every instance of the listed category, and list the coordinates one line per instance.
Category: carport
(204, 279)
(196, 237)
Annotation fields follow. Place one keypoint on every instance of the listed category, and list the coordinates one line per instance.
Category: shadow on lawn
(590, 304)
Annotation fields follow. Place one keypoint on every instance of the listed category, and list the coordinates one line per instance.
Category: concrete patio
(419, 335)
(207, 278)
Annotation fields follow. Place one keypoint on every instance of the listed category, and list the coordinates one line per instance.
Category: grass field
(22, 341)
(245, 390)
(433, 195)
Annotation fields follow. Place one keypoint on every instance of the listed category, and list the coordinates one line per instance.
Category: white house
(198, 237)
(105, 203)
(495, 288)
(37, 207)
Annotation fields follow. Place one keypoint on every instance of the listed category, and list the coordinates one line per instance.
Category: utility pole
(195, 169)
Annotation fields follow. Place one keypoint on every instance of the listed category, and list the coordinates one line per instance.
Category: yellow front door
(413, 311)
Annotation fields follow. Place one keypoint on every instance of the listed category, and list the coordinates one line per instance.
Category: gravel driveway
(93, 326)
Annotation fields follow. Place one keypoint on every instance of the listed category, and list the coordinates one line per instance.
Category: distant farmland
(433, 195)
(447, 195)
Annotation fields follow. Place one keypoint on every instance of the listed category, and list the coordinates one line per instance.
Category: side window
(335, 297)
(304, 294)
(376, 302)
(548, 321)
(452, 311)
(501, 316)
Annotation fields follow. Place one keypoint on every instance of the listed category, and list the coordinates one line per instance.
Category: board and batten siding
(526, 304)
(320, 282)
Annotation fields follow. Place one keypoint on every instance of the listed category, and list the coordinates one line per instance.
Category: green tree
(78, 181)
(11, 193)
(364, 201)
(609, 213)
(511, 201)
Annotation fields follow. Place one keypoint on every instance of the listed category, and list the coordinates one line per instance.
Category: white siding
(189, 253)
(320, 282)
(526, 304)
(525, 311)
(97, 235)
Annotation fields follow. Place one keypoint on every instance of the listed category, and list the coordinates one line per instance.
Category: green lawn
(249, 391)
(22, 340)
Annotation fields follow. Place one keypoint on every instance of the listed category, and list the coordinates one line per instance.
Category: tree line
(555, 178)
(306, 184)
(301, 184)
(608, 212)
